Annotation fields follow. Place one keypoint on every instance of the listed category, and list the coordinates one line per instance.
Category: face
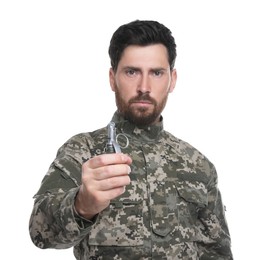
(142, 82)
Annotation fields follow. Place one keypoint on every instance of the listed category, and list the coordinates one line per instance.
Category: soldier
(139, 193)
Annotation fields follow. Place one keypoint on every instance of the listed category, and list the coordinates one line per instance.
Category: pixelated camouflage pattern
(171, 210)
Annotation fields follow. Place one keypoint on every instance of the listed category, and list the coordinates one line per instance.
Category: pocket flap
(193, 191)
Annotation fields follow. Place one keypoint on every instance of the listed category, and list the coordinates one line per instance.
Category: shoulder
(193, 160)
(83, 139)
(182, 147)
(83, 142)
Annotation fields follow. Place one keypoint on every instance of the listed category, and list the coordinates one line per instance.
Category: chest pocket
(176, 213)
(191, 197)
(120, 224)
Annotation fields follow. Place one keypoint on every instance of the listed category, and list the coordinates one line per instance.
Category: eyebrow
(139, 69)
(131, 68)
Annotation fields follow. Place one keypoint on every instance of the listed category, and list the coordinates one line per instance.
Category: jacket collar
(147, 133)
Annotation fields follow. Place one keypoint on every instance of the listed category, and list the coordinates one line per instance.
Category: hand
(104, 178)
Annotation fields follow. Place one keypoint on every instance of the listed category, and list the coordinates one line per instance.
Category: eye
(157, 73)
(130, 72)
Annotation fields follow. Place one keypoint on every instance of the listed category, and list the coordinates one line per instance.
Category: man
(157, 198)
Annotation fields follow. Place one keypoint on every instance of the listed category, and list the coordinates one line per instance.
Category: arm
(217, 243)
(74, 192)
(54, 222)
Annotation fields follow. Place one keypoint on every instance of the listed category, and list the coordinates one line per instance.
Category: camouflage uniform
(171, 210)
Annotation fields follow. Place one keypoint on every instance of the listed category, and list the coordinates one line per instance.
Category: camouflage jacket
(171, 210)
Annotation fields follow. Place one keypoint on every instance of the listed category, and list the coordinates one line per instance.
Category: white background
(54, 84)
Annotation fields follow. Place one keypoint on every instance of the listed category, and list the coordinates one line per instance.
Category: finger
(111, 171)
(113, 183)
(108, 159)
(113, 193)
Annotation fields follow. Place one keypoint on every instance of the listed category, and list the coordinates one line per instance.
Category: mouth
(141, 103)
(144, 101)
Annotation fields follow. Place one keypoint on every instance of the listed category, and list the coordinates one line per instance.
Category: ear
(112, 79)
(173, 80)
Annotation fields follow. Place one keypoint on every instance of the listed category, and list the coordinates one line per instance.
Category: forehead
(151, 55)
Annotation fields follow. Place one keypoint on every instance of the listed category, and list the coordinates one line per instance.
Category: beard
(140, 116)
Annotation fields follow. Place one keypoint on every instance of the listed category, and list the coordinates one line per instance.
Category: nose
(144, 84)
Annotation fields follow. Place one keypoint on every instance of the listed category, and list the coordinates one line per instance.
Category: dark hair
(141, 33)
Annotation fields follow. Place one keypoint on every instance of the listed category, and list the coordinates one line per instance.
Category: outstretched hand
(104, 178)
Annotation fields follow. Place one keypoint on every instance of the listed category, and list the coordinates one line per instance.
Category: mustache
(143, 97)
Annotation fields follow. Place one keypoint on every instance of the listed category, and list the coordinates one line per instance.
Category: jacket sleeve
(216, 243)
(54, 222)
